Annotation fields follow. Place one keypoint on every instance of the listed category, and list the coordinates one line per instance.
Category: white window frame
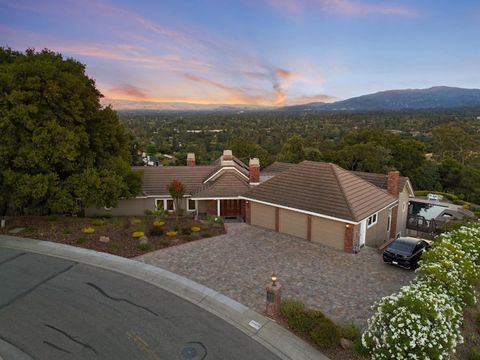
(164, 202)
(372, 220)
(389, 222)
(188, 205)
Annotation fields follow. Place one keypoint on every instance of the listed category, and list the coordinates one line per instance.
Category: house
(317, 201)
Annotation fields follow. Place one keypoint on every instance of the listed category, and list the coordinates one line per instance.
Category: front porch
(227, 208)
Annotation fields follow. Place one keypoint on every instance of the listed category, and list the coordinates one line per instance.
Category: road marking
(142, 344)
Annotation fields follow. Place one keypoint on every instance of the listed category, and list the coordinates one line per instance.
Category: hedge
(423, 320)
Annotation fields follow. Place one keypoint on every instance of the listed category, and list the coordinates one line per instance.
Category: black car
(405, 252)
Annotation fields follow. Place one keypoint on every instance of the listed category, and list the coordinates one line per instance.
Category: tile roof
(156, 179)
(380, 180)
(229, 184)
(276, 168)
(323, 188)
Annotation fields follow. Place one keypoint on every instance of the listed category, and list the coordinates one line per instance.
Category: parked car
(434, 197)
(405, 252)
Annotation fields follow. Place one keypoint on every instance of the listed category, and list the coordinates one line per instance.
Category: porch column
(196, 206)
(218, 207)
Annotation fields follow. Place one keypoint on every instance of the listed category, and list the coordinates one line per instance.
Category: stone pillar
(309, 228)
(277, 219)
(274, 299)
(393, 222)
(248, 213)
(348, 239)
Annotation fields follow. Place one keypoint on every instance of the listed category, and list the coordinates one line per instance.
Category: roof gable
(229, 184)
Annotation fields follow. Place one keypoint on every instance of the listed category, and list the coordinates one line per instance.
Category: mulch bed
(68, 230)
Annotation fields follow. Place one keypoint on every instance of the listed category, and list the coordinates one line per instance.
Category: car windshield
(402, 246)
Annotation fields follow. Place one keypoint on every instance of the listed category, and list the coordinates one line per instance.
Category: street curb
(277, 339)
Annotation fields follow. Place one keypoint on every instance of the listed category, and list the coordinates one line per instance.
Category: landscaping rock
(104, 239)
(16, 230)
(346, 344)
(143, 240)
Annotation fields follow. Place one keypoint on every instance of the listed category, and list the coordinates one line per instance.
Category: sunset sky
(254, 52)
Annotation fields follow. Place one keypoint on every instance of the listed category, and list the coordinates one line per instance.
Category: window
(165, 204)
(404, 206)
(389, 222)
(372, 220)
(159, 204)
(191, 205)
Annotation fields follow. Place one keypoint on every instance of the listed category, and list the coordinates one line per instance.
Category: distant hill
(434, 97)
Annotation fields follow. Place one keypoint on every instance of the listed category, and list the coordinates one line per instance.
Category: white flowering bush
(423, 320)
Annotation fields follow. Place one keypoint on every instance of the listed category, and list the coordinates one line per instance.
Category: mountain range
(432, 98)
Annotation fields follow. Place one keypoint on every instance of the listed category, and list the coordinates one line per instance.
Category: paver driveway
(239, 264)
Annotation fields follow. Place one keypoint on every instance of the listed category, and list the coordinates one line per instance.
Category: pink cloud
(344, 7)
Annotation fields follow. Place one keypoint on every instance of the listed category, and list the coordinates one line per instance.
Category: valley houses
(316, 201)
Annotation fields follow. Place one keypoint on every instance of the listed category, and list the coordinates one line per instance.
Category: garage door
(328, 232)
(263, 215)
(293, 223)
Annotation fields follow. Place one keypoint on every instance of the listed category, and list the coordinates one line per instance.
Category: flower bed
(121, 235)
(423, 320)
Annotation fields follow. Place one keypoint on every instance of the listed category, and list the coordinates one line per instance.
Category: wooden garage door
(262, 215)
(328, 232)
(293, 223)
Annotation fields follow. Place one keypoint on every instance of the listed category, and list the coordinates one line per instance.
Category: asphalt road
(52, 308)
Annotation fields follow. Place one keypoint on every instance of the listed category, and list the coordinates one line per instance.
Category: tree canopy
(58, 144)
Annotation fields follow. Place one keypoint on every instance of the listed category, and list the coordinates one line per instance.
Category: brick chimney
(392, 182)
(190, 159)
(254, 171)
(227, 155)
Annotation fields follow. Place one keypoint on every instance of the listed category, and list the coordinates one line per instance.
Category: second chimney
(392, 182)
(190, 159)
(254, 171)
(227, 155)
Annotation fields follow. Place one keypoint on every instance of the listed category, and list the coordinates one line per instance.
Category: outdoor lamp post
(274, 297)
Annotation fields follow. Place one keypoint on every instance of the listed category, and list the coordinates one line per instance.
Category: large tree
(57, 143)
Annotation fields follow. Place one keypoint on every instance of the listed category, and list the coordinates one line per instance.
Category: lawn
(123, 236)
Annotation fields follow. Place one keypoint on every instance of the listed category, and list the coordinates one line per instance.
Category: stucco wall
(328, 232)
(293, 223)
(263, 215)
(378, 234)
(130, 207)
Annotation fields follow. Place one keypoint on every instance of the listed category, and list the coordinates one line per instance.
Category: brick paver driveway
(239, 265)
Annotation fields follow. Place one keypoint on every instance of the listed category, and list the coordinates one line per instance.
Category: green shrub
(53, 217)
(145, 247)
(474, 354)
(136, 221)
(325, 334)
(115, 246)
(156, 231)
(83, 240)
(350, 332)
(67, 231)
(300, 319)
(189, 238)
(186, 231)
(423, 320)
(98, 222)
(175, 227)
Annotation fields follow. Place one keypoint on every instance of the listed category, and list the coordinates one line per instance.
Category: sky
(253, 52)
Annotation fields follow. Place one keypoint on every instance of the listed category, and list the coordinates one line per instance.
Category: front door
(230, 207)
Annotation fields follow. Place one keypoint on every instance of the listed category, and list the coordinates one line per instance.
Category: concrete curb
(260, 328)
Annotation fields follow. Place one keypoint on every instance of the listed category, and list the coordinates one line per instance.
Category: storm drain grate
(193, 351)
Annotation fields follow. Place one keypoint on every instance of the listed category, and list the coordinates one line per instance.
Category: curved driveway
(51, 308)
